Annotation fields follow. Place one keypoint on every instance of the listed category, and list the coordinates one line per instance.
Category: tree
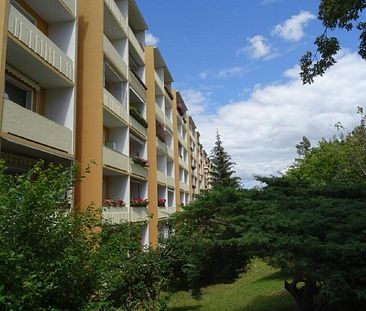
(314, 234)
(44, 248)
(339, 160)
(204, 250)
(221, 171)
(54, 259)
(130, 277)
(334, 14)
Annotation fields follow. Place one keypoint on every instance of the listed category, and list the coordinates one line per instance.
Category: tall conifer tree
(221, 171)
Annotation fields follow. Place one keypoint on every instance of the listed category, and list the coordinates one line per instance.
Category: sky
(236, 65)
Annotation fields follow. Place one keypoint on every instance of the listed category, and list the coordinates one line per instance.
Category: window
(18, 93)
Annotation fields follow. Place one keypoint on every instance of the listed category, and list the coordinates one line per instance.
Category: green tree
(314, 234)
(339, 160)
(334, 14)
(44, 248)
(221, 171)
(203, 249)
(130, 277)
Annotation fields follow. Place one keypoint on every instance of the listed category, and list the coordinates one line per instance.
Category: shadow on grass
(186, 308)
(279, 302)
(279, 275)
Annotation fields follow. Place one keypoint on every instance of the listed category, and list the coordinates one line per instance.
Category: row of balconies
(134, 214)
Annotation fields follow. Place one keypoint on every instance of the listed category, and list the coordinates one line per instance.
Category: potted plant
(161, 202)
(120, 203)
(139, 202)
(140, 161)
(108, 202)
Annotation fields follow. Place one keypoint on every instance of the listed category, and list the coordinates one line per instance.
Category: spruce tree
(221, 171)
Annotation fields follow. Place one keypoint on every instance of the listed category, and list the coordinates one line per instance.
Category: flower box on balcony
(161, 202)
(113, 203)
(139, 202)
(140, 161)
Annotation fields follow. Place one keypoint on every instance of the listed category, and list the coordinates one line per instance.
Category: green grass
(259, 289)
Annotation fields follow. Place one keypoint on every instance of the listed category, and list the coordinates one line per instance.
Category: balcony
(184, 187)
(159, 82)
(137, 85)
(114, 57)
(114, 21)
(138, 214)
(159, 112)
(136, 45)
(129, 214)
(34, 127)
(170, 181)
(165, 212)
(169, 123)
(35, 55)
(161, 145)
(137, 169)
(170, 152)
(116, 217)
(161, 177)
(115, 159)
(115, 107)
(138, 127)
(183, 163)
(54, 11)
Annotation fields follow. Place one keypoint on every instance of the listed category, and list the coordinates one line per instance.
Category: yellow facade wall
(89, 125)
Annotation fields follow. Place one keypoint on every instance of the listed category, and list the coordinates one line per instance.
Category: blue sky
(234, 62)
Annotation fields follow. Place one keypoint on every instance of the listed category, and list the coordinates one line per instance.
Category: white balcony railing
(170, 181)
(161, 177)
(118, 17)
(137, 86)
(183, 163)
(115, 159)
(168, 123)
(159, 112)
(159, 82)
(138, 169)
(184, 187)
(22, 29)
(161, 145)
(32, 126)
(114, 57)
(138, 126)
(165, 212)
(125, 214)
(115, 106)
(136, 45)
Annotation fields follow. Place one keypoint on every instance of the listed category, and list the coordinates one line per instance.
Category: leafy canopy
(334, 14)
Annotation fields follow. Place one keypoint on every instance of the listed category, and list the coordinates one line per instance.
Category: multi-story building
(80, 84)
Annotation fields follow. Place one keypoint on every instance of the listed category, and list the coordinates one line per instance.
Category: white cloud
(257, 47)
(232, 72)
(196, 101)
(225, 73)
(150, 39)
(265, 2)
(260, 133)
(293, 28)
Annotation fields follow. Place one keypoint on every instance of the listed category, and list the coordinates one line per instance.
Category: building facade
(79, 84)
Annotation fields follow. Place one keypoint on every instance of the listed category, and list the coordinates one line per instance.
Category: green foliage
(130, 277)
(316, 235)
(54, 259)
(334, 14)
(335, 161)
(203, 249)
(221, 172)
(44, 249)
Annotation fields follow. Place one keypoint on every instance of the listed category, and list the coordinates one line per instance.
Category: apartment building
(79, 84)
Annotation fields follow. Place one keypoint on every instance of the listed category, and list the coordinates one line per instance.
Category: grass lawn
(260, 289)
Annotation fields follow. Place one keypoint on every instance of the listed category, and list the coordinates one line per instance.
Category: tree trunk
(304, 296)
